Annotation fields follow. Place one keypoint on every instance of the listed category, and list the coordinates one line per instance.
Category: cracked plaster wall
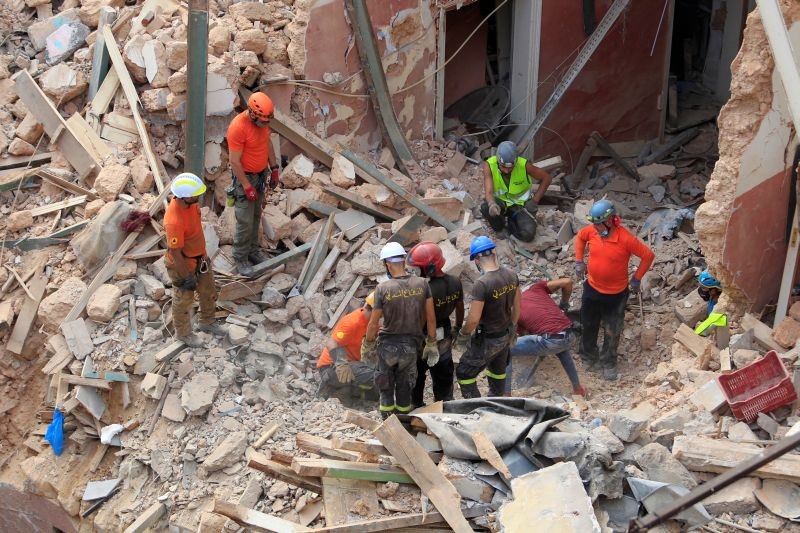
(742, 224)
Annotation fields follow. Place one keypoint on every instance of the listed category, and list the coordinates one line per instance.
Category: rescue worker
(605, 292)
(491, 323)
(188, 265)
(545, 329)
(254, 168)
(404, 303)
(710, 290)
(447, 297)
(508, 195)
(342, 373)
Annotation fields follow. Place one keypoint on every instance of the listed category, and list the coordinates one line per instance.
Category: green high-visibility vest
(518, 190)
(714, 319)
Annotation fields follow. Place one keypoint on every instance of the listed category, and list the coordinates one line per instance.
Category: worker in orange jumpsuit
(188, 265)
(342, 373)
(254, 168)
(606, 291)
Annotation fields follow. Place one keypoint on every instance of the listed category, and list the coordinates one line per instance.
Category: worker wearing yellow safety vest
(710, 290)
(508, 197)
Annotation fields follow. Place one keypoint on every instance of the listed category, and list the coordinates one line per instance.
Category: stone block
(659, 465)
(93, 207)
(140, 170)
(133, 55)
(29, 130)
(691, 309)
(177, 82)
(198, 394)
(229, 452)
(62, 43)
(219, 39)
(794, 310)
(20, 147)
(454, 261)
(736, 498)
(111, 181)
(742, 358)
(435, 234)
(153, 385)
(153, 288)
(246, 58)
(277, 49)
(19, 220)
(298, 172)
(606, 437)
(177, 53)
(55, 307)
(741, 431)
(343, 172)
(252, 40)
(238, 335)
(172, 408)
(280, 223)
(628, 424)
(103, 304)
(462, 475)
(672, 420)
(787, 332)
(176, 104)
(39, 31)
(710, 397)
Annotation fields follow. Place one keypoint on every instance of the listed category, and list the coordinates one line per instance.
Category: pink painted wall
(617, 92)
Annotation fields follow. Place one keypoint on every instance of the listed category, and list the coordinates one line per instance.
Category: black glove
(531, 207)
(564, 306)
(188, 284)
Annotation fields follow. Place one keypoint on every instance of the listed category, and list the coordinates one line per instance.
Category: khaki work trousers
(182, 301)
(248, 222)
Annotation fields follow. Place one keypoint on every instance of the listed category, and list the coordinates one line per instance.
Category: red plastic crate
(760, 387)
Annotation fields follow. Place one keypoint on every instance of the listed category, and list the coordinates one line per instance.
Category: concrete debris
(298, 172)
(62, 83)
(628, 424)
(63, 42)
(229, 452)
(659, 465)
(55, 307)
(153, 385)
(103, 303)
(198, 394)
(112, 181)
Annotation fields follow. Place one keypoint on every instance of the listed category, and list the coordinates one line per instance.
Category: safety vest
(518, 190)
(717, 320)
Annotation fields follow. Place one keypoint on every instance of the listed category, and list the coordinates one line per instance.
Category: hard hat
(479, 245)
(427, 256)
(707, 280)
(507, 153)
(261, 105)
(187, 185)
(393, 252)
(370, 299)
(601, 211)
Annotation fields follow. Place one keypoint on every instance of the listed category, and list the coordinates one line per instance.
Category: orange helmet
(261, 106)
(428, 257)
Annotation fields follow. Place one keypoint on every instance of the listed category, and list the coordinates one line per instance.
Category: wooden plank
(97, 457)
(323, 271)
(133, 100)
(672, 145)
(603, 144)
(256, 519)
(149, 517)
(762, 333)
(340, 495)
(45, 112)
(110, 133)
(58, 206)
(360, 420)
(145, 255)
(373, 447)
(86, 382)
(105, 95)
(168, 352)
(88, 137)
(27, 315)
(241, 289)
(725, 361)
(281, 472)
(414, 459)
(351, 470)
(345, 301)
(316, 256)
(384, 524)
(99, 53)
(362, 204)
(701, 454)
(58, 362)
(47, 175)
(17, 161)
(489, 453)
(279, 260)
(693, 342)
(579, 173)
(406, 233)
(409, 196)
(121, 122)
(323, 447)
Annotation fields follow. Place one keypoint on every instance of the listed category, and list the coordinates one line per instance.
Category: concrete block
(343, 172)
(298, 172)
(153, 385)
(710, 397)
(229, 452)
(153, 288)
(435, 234)
(103, 304)
(237, 335)
(172, 408)
(691, 309)
(787, 332)
(198, 394)
(672, 420)
(454, 261)
(659, 465)
(628, 424)
(606, 437)
(111, 181)
(736, 498)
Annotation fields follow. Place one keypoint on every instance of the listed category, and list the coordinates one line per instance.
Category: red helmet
(428, 257)
(261, 105)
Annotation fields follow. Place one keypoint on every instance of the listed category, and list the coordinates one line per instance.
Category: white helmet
(393, 252)
(187, 185)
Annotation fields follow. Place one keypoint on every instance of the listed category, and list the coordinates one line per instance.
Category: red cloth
(539, 313)
(609, 257)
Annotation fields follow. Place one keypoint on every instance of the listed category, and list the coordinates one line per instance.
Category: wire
(427, 77)
(309, 86)
(569, 152)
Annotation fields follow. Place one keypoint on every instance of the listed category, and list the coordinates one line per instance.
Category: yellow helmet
(370, 299)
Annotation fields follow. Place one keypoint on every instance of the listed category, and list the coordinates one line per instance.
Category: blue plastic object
(601, 211)
(55, 432)
(480, 244)
(707, 280)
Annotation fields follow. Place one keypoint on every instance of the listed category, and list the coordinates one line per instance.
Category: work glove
(580, 269)
(512, 341)
(635, 285)
(368, 354)
(250, 193)
(274, 178)
(344, 373)
(431, 351)
(531, 207)
(188, 284)
(494, 210)
(462, 341)
(564, 306)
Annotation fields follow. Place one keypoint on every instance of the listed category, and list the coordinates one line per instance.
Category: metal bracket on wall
(586, 52)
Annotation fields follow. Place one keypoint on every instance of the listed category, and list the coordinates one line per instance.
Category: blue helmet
(708, 281)
(507, 153)
(479, 245)
(601, 211)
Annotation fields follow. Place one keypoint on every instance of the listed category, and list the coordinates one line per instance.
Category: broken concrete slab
(607, 438)
(99, 489)
(39, 31)
(63, 42)
(198, 394)
(628, 424)
(710, 397)
(343, 172)
(153, 288)
(55, 307)
(787, 332)
(172, 408)
(297, 174)
(153, 385)
(111, 181)
(103, 304)
(229, 452)
(659, 465)
(552, 498)
(691, 309)
(737, 498)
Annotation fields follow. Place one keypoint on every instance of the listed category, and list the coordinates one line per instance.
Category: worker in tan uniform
(188, 265)
(490, 329)
(405, 305)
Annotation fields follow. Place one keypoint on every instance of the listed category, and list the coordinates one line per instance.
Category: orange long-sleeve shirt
(609, 258)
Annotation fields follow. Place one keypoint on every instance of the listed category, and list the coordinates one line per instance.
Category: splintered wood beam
(27, 315)
(283, 473)
(350, 470)
(256, 519)
(362, 204)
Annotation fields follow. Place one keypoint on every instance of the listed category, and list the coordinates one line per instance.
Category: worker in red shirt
(544, 329)
(187, 264)
(342, 373)
(253, 166)
(605, 293)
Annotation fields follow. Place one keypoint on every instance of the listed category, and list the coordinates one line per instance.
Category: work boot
(244, 268)
(191, 340)
(610, 373)
(213, 328)
(257, 257)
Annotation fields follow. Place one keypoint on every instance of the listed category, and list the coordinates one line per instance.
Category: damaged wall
(406, 35)
(742, 224)
(617, 92)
